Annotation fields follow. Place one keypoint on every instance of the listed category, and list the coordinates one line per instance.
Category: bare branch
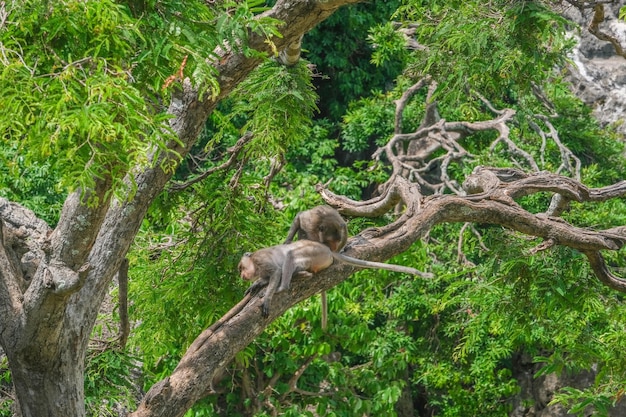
(596, 260)
(461, 258)
(567, 156)
(234, 152)
(293, 381)
(403, 101)
(374, 207)
(122, 280)
(594, 29)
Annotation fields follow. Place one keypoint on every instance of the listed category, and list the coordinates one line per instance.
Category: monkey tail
(324, 309)
(379, 265)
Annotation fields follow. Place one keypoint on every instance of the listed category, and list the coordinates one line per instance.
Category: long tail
(378, 265)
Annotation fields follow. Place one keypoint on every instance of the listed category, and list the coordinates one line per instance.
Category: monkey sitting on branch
(325, 225)
(321, 224)
(275, 266)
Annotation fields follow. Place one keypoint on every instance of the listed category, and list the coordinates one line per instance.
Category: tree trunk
(56, 389)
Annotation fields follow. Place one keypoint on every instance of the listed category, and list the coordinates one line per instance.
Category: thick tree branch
(594, 29)
(10, 291)
(21, 260)
(83, 213)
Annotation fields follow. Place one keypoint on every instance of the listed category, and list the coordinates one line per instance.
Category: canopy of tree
(148, 144)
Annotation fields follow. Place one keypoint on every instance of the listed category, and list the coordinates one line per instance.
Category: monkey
(321, 224)
(325, 225)
(275, 266)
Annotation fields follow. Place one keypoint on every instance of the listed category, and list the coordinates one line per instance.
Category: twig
(234, 152)
(293, 381)
(403, 101)
(594, 29)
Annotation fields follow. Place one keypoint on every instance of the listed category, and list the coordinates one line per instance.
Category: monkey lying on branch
(276, 265)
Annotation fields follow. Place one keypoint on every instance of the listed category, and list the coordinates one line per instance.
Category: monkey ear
(247, 254)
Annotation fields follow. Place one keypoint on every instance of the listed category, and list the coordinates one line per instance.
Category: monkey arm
(272, 286)
(256, 286)
(295, 226)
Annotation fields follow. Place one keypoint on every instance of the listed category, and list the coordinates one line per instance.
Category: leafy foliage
(277, 103)
(34, 186)
(512, 45)
(109, 382)
(74, 106)
(81, 82)
(345, 68)
(87, 104)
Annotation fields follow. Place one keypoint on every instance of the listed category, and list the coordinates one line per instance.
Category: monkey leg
(289, 267)
(295, 226)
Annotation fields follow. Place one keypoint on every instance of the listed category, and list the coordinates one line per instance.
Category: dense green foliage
(79, 85)
(80, 79)
(345, 68)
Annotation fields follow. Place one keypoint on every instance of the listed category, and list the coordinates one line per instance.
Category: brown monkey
(274, 266)
(325, 225)
(321, 224)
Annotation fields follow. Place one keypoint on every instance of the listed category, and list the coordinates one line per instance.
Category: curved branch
(374, 207)
(596, 260)
(403, 101)
(594, 29)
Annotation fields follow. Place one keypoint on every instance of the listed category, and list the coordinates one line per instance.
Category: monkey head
(332, 235)
(246, 267)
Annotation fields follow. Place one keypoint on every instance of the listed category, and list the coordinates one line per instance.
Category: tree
(118, 155)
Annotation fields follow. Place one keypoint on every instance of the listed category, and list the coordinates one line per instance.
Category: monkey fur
(321, 224)
(274, 266)
(325, 225)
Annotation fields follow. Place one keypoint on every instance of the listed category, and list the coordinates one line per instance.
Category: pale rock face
(598, 77)
(598, 74)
